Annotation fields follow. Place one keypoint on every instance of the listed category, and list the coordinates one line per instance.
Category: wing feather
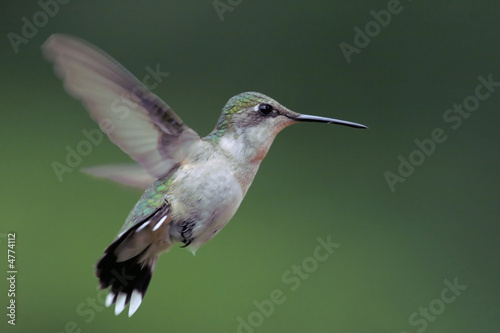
(138, 121)
(127, 174)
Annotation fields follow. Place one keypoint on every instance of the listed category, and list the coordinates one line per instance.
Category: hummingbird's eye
(265, 109)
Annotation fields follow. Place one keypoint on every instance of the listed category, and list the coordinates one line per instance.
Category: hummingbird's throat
(251, 144)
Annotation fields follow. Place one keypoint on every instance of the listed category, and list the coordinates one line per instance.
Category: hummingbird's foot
(187, 232)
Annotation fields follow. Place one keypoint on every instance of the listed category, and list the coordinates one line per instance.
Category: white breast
(208, 193)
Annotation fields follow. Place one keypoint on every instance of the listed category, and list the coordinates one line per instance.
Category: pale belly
(206, 195)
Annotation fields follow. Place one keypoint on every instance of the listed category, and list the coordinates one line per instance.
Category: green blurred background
(397, 247)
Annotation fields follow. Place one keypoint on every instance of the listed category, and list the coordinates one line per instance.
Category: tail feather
(129, 262)
(128, 279)
(129, 282)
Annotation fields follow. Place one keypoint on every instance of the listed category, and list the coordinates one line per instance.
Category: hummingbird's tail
(128, 280)
(128, 265)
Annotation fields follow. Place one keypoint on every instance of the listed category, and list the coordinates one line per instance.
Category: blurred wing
(135, 119)
(127, 174)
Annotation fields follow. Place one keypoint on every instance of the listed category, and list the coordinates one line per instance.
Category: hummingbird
(193, 185)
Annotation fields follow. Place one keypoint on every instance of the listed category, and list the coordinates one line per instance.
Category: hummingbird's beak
(306, 117)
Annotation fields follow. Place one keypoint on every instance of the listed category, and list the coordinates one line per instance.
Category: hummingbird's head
(251, 121)
(250, 110)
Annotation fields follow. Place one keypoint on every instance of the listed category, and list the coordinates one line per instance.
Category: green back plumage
(151, 200)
